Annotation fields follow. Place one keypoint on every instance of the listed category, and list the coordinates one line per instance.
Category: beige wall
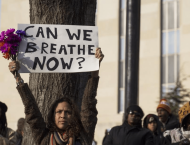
(108, 25)
(149, 74)
(12, 13)
(184, 42)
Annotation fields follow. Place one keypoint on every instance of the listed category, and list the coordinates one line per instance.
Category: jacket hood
(159, 124)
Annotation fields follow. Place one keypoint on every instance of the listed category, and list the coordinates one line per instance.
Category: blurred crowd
(162, 128)
(7, 135)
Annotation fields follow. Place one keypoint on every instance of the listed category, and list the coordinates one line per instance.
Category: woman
(180, 136)
(7, 135)
(152, 123)
(65, 126)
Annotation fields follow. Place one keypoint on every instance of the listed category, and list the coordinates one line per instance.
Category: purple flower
(20, 33)
(9, 41)
(13, 39)
(2, 36)
(9, 32)
(13, 50)
(4, 48)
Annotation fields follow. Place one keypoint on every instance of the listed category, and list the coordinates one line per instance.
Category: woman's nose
(63, 114)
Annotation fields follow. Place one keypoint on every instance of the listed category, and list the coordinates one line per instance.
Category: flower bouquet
(9, 43)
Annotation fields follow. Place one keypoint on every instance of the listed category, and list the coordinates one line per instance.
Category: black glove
(185, 142)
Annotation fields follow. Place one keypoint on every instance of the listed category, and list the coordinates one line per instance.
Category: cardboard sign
(58, 48)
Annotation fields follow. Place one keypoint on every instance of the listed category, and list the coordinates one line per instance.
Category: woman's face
(152, 126)
(62, 115)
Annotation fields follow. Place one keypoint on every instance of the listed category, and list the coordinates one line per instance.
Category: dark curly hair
(75, 125)
(3, 123)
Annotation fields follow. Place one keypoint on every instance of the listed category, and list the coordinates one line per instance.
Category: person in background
(131, 132)
(106, 134)
(168, 120)
(180, 135)
(19, 131)
(7, 135)
(94, 142)
(152, 123)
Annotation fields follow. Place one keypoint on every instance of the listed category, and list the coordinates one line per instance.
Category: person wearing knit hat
(7, 135)
(131, 131)
(164, 105)
(168, 120)
(180, 135)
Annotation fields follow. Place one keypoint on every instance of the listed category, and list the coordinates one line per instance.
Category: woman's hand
(99, 55)
(14, 67)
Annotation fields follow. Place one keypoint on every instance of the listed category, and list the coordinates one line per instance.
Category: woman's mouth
(63, 121)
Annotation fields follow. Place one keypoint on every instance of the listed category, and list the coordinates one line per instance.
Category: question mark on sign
(83, 59)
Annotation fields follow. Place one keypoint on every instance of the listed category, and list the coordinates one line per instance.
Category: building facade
(164, 56)
(12, 13)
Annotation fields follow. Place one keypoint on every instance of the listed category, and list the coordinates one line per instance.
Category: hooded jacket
(172, 122)
(129, 135)
(158, 137)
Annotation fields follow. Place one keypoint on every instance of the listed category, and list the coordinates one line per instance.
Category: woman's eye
(59, 112)
(68, 112)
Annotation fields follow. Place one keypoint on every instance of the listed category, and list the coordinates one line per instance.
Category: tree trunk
(47, 87)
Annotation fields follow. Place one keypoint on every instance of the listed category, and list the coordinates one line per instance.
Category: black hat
(135, 108)
(150, 118)
(3, 106)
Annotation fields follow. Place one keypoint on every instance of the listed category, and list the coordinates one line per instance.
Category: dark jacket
(129, 135)
(41, 134)
(10, 138)
(104, 139)
(172, 123)
(157, 135)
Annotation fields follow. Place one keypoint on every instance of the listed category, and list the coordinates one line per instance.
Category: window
(121, 98)
(170, 44)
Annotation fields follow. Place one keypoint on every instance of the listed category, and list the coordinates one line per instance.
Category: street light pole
(132, 52)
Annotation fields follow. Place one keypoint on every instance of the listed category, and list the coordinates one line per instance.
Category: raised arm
(88, 109)
(33, 115)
